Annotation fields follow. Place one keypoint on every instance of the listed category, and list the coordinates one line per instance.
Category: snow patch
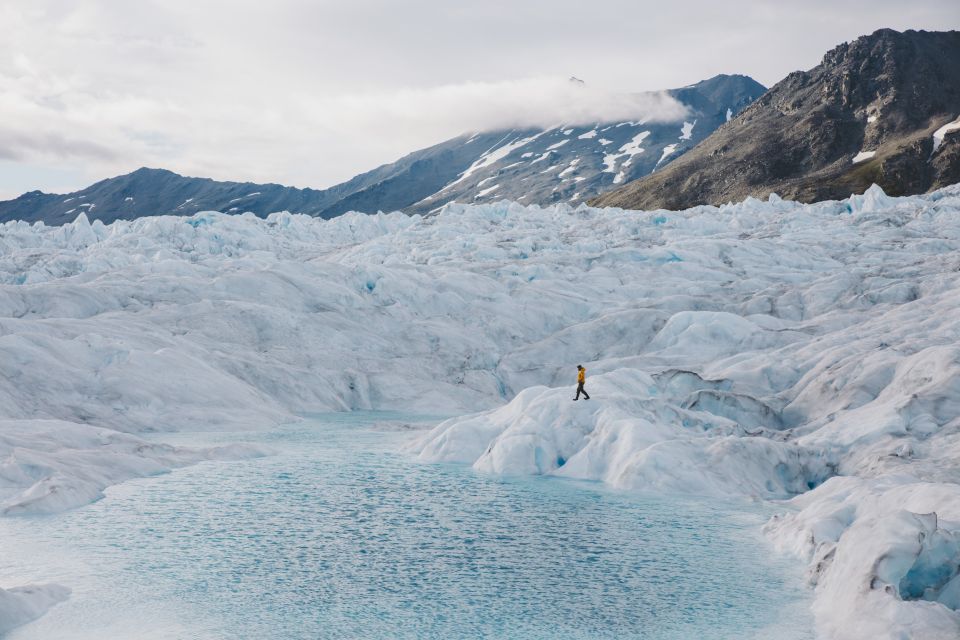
(863, 156)
(540, 158)
(667, 152)
(940, 133)
(488, 190)
(627, 150)
(570, 168)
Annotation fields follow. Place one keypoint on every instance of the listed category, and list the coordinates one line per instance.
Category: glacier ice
(883, 555)
(767, 349)
(52, 465)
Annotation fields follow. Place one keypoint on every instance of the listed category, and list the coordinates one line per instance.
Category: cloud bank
(531, 102)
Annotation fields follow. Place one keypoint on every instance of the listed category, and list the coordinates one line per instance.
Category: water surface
(338, 535)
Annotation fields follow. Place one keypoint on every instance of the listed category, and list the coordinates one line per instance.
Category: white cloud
(311, 92)
(256, 131)
(455, 108)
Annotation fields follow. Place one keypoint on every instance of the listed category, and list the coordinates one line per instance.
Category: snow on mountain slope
(574, 163)
(765, 349)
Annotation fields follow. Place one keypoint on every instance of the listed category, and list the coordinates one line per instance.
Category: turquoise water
(337, 535)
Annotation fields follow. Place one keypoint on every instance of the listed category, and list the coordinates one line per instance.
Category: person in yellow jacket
(581, 378)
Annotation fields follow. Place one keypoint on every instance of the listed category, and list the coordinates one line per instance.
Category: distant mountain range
(532, 166)
(880, 109)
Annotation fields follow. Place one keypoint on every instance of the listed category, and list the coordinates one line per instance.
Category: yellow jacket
(581, 375)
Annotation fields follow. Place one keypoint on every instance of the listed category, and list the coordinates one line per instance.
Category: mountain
(571, 164)
(877, 110)
(540, 166)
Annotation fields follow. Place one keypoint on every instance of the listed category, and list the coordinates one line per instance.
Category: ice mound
(634, 433)
(20, 605)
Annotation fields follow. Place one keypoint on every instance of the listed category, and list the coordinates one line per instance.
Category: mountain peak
(734, 90)
(724, 78)
(150, 171)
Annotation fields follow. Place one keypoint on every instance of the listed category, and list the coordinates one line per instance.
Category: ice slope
(51, 465)
(23, 604)
(636, 432)
(761, 349)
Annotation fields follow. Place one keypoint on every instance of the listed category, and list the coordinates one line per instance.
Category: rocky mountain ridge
(878, 110)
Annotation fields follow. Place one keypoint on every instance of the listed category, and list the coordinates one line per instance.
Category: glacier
(803, 354)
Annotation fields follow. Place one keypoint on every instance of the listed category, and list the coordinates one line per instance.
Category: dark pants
(580, 390)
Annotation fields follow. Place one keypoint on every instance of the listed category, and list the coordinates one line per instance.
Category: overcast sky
(312, 92)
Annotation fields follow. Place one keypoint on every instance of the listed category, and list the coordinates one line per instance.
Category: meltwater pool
(340, 535)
